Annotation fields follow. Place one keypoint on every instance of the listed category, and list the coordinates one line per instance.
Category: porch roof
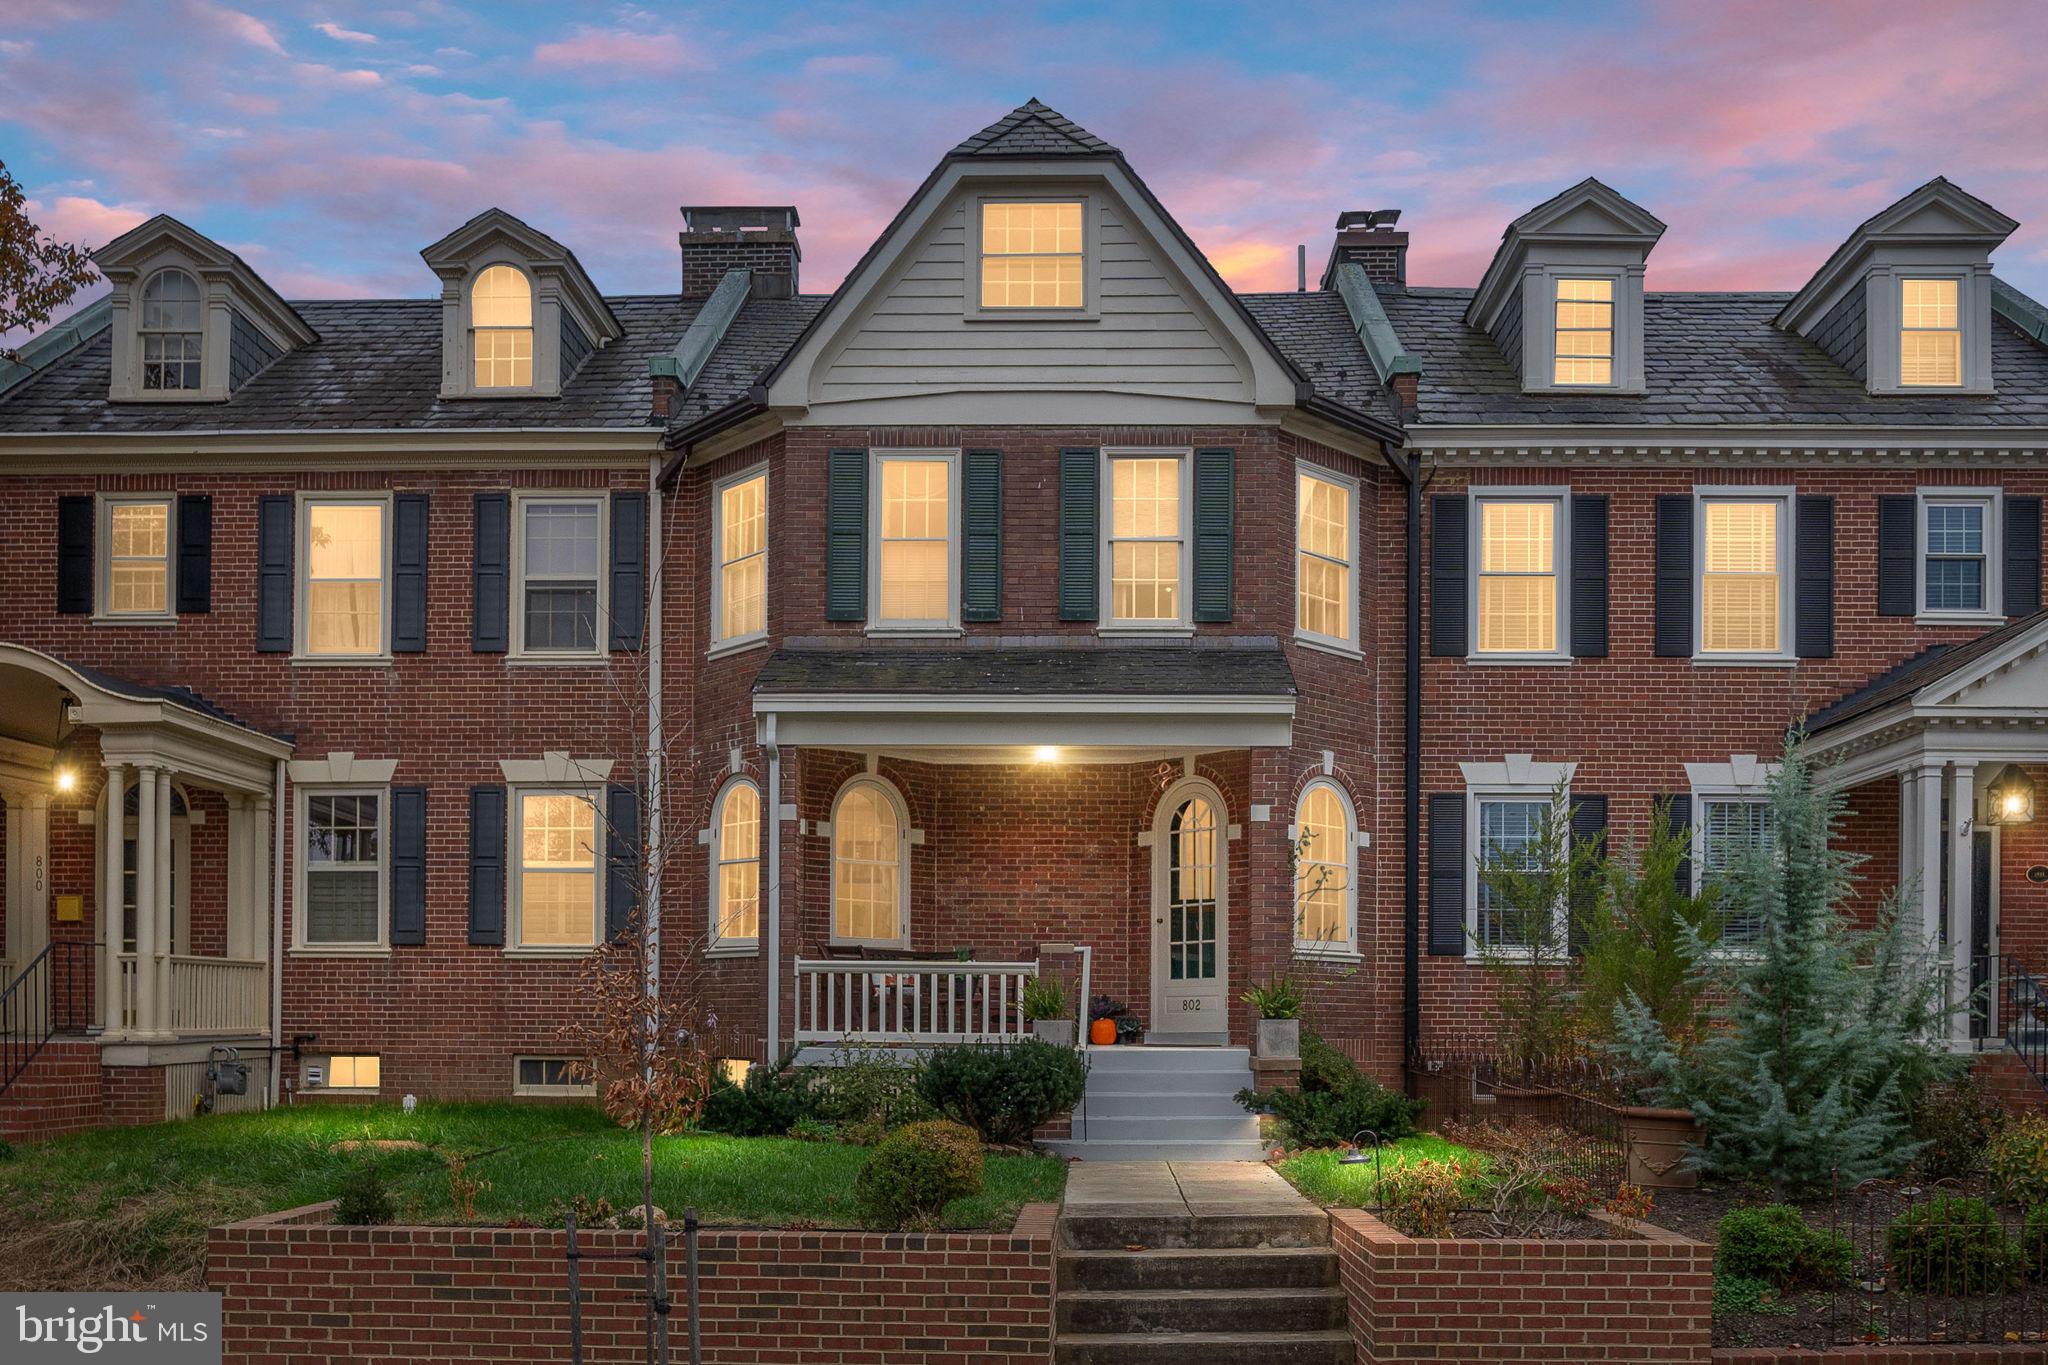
(1259, 669)
(1928, 667)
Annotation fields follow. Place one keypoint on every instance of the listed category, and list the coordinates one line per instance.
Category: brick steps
(1306, 1267)
(58, 1092)
(1126, 1311)
(1207, 1348)
(2005, 1080)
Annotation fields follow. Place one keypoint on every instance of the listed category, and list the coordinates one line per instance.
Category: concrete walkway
(1179, 1189)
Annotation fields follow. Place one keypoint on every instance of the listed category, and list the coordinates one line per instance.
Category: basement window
(355, 1071)
(548, 1076)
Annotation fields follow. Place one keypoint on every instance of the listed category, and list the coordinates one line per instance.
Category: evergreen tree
(1635, 935)
(1535, 893)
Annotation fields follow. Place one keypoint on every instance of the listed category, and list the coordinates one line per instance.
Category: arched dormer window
(736, 866)
(171, 332)
(1325, 880)
(501, 328)
(870, 864)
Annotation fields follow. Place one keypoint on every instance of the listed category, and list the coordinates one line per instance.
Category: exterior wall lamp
(2009, 800)
(65, 780)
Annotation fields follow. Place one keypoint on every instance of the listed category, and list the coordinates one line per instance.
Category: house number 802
(1190, 1004)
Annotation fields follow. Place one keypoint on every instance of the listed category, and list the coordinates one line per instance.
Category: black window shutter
(274, 514)
(1450, 566)
(1674, 576)
(491, 575)
(1080, 521)
(1215, 507)
(2022, 556)
(1589, 576)
(1447, 874)
(487, 865)
(1678, 810)
(981, 535)
(74, 555)
(629, 569)
(1589, 826)
(622, 858)
(1898, 537)
(409, 573)
(408, 866)
(846, 536)
(1813, 549)
(195, 554)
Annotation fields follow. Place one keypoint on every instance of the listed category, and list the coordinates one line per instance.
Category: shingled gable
(1589, 213)
(1033, 129)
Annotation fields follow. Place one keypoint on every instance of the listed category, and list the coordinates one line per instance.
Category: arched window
(736, 865)
(1325, 890)
(170, 332)
(870, 882)
(501, 323)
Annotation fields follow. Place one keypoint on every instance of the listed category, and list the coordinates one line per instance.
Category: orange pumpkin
(1102, 1032)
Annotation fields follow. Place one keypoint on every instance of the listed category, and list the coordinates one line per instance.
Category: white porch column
(1908, 791)
(113, 850)
(147, 854)
(1962, 867)
(34, 850)
(259, 831)
(16, 949)
(1928, 826)
(163, 900)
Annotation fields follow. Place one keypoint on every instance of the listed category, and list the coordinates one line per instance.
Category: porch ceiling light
(65, 779)
(1046, 753)
(2010, 797)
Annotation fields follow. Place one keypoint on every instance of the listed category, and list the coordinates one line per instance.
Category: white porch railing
(910, 1002)
(208, 995)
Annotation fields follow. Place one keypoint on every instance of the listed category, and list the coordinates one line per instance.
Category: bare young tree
(38, 273)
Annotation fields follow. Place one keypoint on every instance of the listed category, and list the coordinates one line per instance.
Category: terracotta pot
(1658, 1140)
(1102, 1032)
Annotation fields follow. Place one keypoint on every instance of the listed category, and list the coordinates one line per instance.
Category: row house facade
(1032, 602)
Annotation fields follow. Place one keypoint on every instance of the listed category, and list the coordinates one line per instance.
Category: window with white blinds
(1518, 574)
(1508, 830)
(914, 573)
(1930, 334)
(1742, 576)
(742, 535)
(1325, 562)
(1728, 829)
(1146, 539)
(1585, 332)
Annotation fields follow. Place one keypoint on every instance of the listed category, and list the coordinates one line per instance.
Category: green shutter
(1080, 537)
(981, 537)
(846, 536)
(1215, 500)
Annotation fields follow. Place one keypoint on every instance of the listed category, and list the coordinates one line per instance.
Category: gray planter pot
(1058, 1032)
(1280, 1039)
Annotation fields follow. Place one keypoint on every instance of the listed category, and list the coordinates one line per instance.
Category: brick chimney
(1368, 236)
(717, 238)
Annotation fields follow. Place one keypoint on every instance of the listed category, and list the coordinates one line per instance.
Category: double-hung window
(740, 596)
(1326, 557)
(1743, 576)
(870, 871)
(1325, 894)
(342, 887)
(1584, 332)
(917, 541)
(1728, 828)
(561, 575)
(736, 867)
(1519, 605)
(1958, 572)
(1510, 829)
(171, 333)
(1148, 536)
(556, 887)
(345, 572)
(501, 328)
(1033, 255)
(136, 554)
(1930, 334)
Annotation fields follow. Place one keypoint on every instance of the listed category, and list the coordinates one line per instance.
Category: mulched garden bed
(1478, 1225)
(1870, 1310)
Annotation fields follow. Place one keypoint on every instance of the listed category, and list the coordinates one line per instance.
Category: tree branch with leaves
(38, 273)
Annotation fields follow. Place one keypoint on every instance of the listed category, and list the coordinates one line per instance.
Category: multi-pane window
(736, 878)
(1508, 832)
(344, 871)
(1930, 334)
(501, 324)
(1518, 597)
(1585, 332)
(170, 332)
(561, 549)
(138, 558)
(1954, 562)
(550, 1076)
(1741, 577)
(1032, 255)
(867, 866)
(1322, 869)
(915, 574)
(358, 1071)
(743, 558)
(557, 882)
(1145, 539)
(345, 567)
(1324, 557)
(1194, 857)
(1728, 830)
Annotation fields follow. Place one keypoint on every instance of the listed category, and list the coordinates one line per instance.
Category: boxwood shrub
(1775, 1244)
(916, 1171)
(1952, 1244)
(1003, 1090)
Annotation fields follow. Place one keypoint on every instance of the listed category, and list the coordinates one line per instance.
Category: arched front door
(1190, 935)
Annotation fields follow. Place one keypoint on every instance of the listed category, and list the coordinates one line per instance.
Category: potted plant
(1106, 1018)
(1045, 1005)
(1279, 1000)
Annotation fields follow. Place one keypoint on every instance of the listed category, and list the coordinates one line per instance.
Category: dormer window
(1584, 352)
(171, 333)
(1930, 334)
(501, 323)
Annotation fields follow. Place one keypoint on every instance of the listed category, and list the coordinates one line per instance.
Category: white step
(1136, 1081)
(1141, 1103)
(1171, 1059)
(1123, 1150)
(1168, 1128)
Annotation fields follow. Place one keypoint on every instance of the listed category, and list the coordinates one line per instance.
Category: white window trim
(302, 557)
(1559, 498)
(598, 652)
(1347, 645)
(1992, 500)
(303, 792)
(1884, 314)
(515, 868)
(1742, 780)
(905, 838)
(1111, 625)
(576, 1089)
(1783, 656)
(213, 339)
(1091, 261)
(103, 560)
(1330, 950)
(469, 387)
(716, 945)
(1517, 778)
(950, 626)
(720, 642)
(1539, 327)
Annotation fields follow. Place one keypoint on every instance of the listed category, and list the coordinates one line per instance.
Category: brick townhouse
(1032, 600)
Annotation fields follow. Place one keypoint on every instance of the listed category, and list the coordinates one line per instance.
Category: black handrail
(2018, 997)
(48, 996)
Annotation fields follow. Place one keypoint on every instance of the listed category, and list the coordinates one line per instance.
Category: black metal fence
(2011, 1009)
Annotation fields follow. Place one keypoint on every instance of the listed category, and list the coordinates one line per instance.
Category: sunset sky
(328, 142)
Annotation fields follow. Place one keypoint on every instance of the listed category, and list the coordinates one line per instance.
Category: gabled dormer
(191, 321)
(1563, 296)
(518, 313)
(1905, 303)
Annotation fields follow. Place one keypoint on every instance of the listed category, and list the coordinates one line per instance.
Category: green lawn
(131, 1205)
(1322, 1177)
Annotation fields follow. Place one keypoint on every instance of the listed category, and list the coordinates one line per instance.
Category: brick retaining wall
(297, 1290)
(1886, 1355)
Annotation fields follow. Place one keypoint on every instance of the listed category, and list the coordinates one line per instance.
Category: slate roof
(1710, 358)
(1314, 331)
(756, 339)
(1034, 129)
(1259, 669)
(1930, 665)
(183, 697)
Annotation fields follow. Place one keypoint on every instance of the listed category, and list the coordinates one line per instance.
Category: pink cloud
(618, 50)
(83, 220)
(344, 35)
(246, 27)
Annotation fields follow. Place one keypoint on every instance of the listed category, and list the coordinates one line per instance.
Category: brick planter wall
(1886, 1355)
(1645, 1298)
(297, 1290)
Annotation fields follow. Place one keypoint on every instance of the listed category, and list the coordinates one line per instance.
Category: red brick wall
(298, 1292)
(58, 1092)
(1885, 1355)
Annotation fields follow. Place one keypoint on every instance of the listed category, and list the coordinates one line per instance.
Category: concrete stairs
(1164, 1104)
(57, 1092)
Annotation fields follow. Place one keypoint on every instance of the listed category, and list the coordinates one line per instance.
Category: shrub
(1952, 1244)
(916, 1171)
(1775, 1244)
(1277, 997)
(770, 1102)
(364, 1198)
(2034, 1245)
(866, 1088)
(1956, 1123)
(1044, 998)
(1324, 1067)
(2016, 1159)
(1419, 1198)
(1745, 1294)
(1003, 1091)
(1331, 1118)
(1538, 1177)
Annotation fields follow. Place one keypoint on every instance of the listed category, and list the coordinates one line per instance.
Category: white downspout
(774, 886)
(654, 832)
(276, 870)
